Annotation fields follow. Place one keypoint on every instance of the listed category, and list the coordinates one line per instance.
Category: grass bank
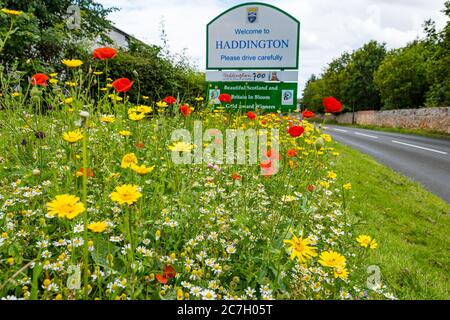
(411, 225)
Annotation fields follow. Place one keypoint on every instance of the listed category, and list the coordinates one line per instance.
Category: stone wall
(433, 119)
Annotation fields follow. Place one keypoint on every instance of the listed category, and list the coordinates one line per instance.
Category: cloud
(328, 27)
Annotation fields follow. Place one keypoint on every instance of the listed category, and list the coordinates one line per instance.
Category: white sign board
(253, 36)
(252, 76)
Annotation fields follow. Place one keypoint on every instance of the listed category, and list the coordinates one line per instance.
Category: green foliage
(438, 64)
(156, 75)
(401, 77)
(360, 91)
(43, 34)
(370, 79)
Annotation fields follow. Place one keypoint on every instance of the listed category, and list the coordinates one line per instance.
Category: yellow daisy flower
(128, 160)
(97, 226)
(332, 259)
(73, 136)
(65, 206)
(126, 193)
(301, 248)
(72, 63)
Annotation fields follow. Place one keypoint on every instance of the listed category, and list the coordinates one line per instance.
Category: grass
(420, 132)
(411, 225)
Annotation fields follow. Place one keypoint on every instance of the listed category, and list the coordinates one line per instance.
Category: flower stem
(85, 218)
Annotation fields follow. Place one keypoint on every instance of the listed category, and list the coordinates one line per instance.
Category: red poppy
(88, 172)
(264, 122)
(168, 273)
(266, 164)
(170, 100)
(332, 105)
(225, 97)
(307, 114)
(251, 115)
(235, 176)
(310, 188)
(269, 172)
(39, 79)
(272, 155)
(161, 279)
(296, 131)
(122, 85)
(104, 53)
(291, 153)
(184, 109)
(139, 145)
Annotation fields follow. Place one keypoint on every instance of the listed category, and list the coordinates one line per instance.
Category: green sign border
(279, 107)
(254, 68)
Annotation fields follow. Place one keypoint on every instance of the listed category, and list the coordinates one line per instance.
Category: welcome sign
(253, 55)
(253, 36)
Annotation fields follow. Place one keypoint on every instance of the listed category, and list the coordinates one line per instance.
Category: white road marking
(419, 147)
(341, 130)
(366, 135)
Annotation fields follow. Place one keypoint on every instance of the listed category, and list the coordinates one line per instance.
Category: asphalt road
(424, 160)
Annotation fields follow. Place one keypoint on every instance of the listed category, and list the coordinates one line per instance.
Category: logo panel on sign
(252, 15)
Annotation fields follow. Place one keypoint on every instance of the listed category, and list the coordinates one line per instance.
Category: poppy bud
(36, 172)
(319, 143)
(39, 134)
(135, 73)
(35, 92)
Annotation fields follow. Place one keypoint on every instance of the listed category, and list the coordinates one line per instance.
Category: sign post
(253, 55)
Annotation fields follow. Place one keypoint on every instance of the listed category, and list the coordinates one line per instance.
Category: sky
(328, 27)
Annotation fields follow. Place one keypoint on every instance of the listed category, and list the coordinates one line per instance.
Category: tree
(401, 77)
(44, 34)
(361, 93)
(438, 65)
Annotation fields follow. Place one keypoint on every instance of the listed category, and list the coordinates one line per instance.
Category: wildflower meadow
(104, 197)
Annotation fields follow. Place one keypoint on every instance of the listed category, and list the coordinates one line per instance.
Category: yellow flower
(97, 73)
(199, 99)
(324, 184)
(10, 261)
(331, 175)
(65, 206)
(12, 12)
(128, 160)
(125, 133)
(53, 75)
(72, 63)
(161, 104)
(301, 248)
(136, 116)
(53, 81)
(181, 147)
(97, 226)
(145, 98)
(15, 94)
(341, 272)
(331, 259)
(73, 136)
(347, 186)
(126, 193)
(367, 241)
(114, 97)
(143, 109)
(107, 119)
(142, 170)
(68, 100)
(70, 84)
(326, 137)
